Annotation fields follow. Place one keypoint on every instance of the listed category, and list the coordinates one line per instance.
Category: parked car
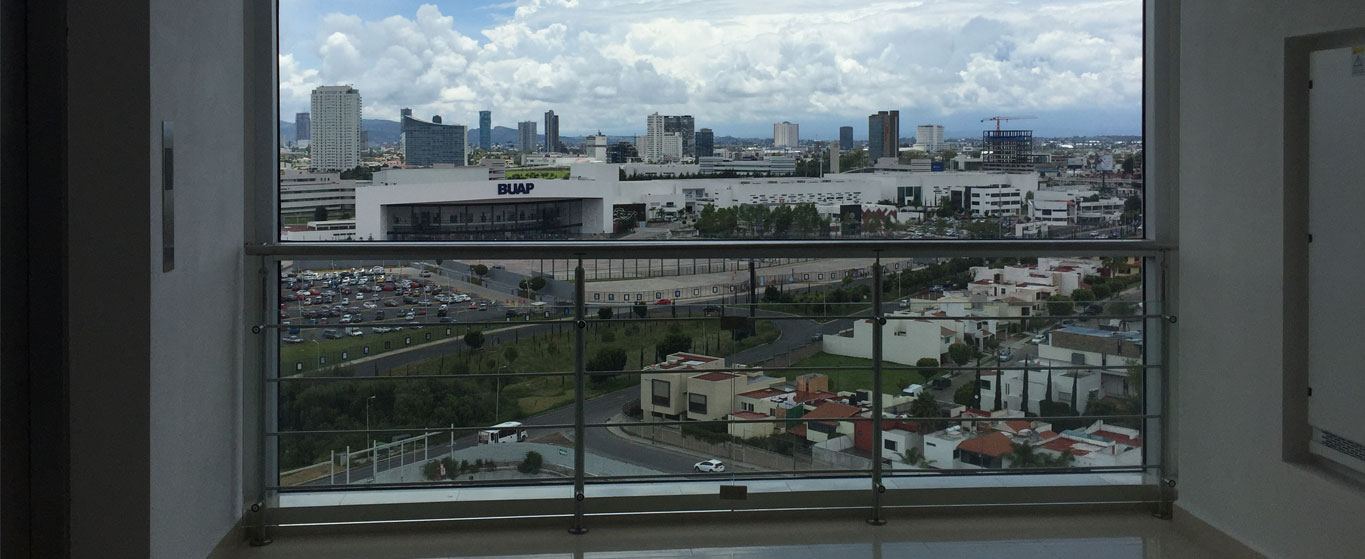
(664, 302)
(1006, 355)
(712, 465)
(331, 334)
(913, 390)
(940, 383)
(292, 339)
(355, 332)
(1038, 339)
(709, 309)
(425, 273)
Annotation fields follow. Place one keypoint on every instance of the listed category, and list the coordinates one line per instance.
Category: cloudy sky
(736, 65)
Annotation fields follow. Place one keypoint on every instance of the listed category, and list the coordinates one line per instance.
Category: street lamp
(367, 421)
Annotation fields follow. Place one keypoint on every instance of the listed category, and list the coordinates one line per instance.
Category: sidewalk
(617, 431)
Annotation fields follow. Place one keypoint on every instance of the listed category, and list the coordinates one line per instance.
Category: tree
(965, 395)
(1133, 204)
(960, 353)
(1023, 396)
(771, 294)
(925, 405)
(1128, 165)
(1100, 291)
(604, 313)
(999, 388)
(479, 269)
(1082, 295)
(510, 354)
(914, 456)
(641, 309)
(927, 367)
(320, 213)
(607, 359)
(948, 155)
(1074, 376)
(474, 339)
(537, 283)
(673, 343)
(1060, 305)
(1047, 395)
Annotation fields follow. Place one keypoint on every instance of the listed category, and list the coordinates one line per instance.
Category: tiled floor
(1119, 535)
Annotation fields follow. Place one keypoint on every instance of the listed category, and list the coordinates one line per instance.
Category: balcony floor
(814, 535)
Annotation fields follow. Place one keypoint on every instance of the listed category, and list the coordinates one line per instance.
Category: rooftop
(993, 444)
(715, 376)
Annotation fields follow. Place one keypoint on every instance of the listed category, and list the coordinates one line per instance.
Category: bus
(507, 432)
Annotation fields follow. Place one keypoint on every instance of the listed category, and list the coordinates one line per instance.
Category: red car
(314, 292)
(387, 287)
(664, 302)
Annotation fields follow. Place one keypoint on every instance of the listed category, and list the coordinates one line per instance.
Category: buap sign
(513, 188)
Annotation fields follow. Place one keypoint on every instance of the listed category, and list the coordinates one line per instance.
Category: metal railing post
(877, 322)
(580, 347)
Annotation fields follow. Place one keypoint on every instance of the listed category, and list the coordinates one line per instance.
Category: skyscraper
(595, 147)
(931, 135)
(785, 135)
(485, 130)
(705, 143)
(660, 144)
(526, 136)
(684, 126)
(335, 128)
(883, 135)
(1007, 150)
(430, 143)
(845, 138)
(301, 127)
(552, 133)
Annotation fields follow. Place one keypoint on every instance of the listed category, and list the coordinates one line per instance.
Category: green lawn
(304, 357)
(539, 174)
(844, 380)
(554, 353)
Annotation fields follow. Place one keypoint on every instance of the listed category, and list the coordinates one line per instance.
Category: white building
(1087, 386)
(909, 336)
(771, 165)
(659, 145)
(1110, 352)
(335, 123)
(930, 136)
(595, 147)
(786, 134)
(1032, 282)
(302, 192)
(993, 200)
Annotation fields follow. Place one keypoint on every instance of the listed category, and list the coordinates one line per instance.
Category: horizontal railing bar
(688, 477)
(832, 368)
(972, 419)
(736, 248)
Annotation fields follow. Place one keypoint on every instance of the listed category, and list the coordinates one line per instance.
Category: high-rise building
(595, 147)
(785, 135)
(334, 128)
(431, 143)
(883, 135)
(1007, 150)
(526, 136)
(552, 133)
(845, 138)
(683, 125)
(705, 144)
(660, 144)
(301, 127)
(622, 152)
(931, 136)
(834, 158)
(485, 130)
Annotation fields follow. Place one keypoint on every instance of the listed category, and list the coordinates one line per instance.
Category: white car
(354, 332)
(370, 305)
(711, 465)
(1040, 338)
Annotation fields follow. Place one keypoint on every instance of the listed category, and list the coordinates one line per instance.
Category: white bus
(508, 432)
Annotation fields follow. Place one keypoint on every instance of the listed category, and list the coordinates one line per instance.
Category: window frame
(265, 248)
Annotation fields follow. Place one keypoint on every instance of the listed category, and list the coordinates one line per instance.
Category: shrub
(531, 463)
(432, 469)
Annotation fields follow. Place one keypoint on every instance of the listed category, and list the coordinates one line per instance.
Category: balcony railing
(815, 385)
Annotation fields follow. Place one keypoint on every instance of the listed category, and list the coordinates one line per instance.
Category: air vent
(1343, 445)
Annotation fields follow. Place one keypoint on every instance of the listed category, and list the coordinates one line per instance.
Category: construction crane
(998, 119)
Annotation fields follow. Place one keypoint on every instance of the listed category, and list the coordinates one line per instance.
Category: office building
(883, 135)
(931, 136)
(552, 144)
(485, 130)
(301, 127)
(595, 146)
(334, 130)
(433, 143)
(526, 136)
(684, 126)
(660, 144)
(785, 135)
(622, 152)
(705, 143)
(845, 138)
(1007, 150)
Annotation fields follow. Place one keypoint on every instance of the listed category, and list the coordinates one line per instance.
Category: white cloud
(608, 63)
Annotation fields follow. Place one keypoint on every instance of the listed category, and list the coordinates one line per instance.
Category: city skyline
(1075, 64)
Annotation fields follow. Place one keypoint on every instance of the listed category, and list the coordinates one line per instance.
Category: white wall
(196, 326)
(1229, 402)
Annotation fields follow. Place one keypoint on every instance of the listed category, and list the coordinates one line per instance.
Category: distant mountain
(378, 131)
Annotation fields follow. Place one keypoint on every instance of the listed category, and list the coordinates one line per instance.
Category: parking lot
(325, 306)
